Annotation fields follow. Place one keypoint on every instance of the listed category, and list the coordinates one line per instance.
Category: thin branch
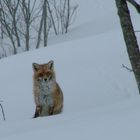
(32, 9)
(135, 4)
(53, 22)
(130, 70)
(137, 31)
(2, 111)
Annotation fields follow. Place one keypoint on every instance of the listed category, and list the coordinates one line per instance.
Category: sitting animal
(47, 93)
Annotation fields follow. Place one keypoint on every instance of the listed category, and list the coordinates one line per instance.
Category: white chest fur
(46, 90)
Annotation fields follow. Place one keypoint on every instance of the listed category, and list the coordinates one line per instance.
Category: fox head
(44, 72)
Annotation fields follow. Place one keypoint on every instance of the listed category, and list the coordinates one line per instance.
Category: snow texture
(101, 100)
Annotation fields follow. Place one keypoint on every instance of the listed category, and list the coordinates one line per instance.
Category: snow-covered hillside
(101, 99)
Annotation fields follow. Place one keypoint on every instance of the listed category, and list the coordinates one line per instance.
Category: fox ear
(51, 64)
(35, 66)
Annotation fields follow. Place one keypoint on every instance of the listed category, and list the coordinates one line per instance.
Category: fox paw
(37, 111)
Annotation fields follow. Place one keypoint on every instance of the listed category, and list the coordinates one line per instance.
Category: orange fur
(48, 95)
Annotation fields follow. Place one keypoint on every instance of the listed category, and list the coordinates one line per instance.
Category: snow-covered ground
(101, 99)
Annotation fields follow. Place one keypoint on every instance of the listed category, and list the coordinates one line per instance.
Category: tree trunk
(130, 38)
(52, 19)
(45, 22)
(68, 16)
(39, 32)
(16, 32)
(27, 37)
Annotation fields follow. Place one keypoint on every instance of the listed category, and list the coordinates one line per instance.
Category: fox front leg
(51, 110)
(38, 111)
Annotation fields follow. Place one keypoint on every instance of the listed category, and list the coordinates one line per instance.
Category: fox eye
(40, 75)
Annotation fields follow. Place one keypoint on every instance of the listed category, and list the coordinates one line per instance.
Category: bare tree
(66, 15)
(130, 38)
(28, 17)
(40, 31)
(45, 22)
(1, 26)
(9, 18)
(67, 22)
(13, 7)
(10, 11)
(51, 17)
(21, 21)
(62, 14)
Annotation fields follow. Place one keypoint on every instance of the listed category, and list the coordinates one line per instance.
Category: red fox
(48, 95)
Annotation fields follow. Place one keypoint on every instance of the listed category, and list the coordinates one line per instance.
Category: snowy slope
(101, 97)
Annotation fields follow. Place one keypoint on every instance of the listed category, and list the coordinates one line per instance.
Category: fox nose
(45, 79)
